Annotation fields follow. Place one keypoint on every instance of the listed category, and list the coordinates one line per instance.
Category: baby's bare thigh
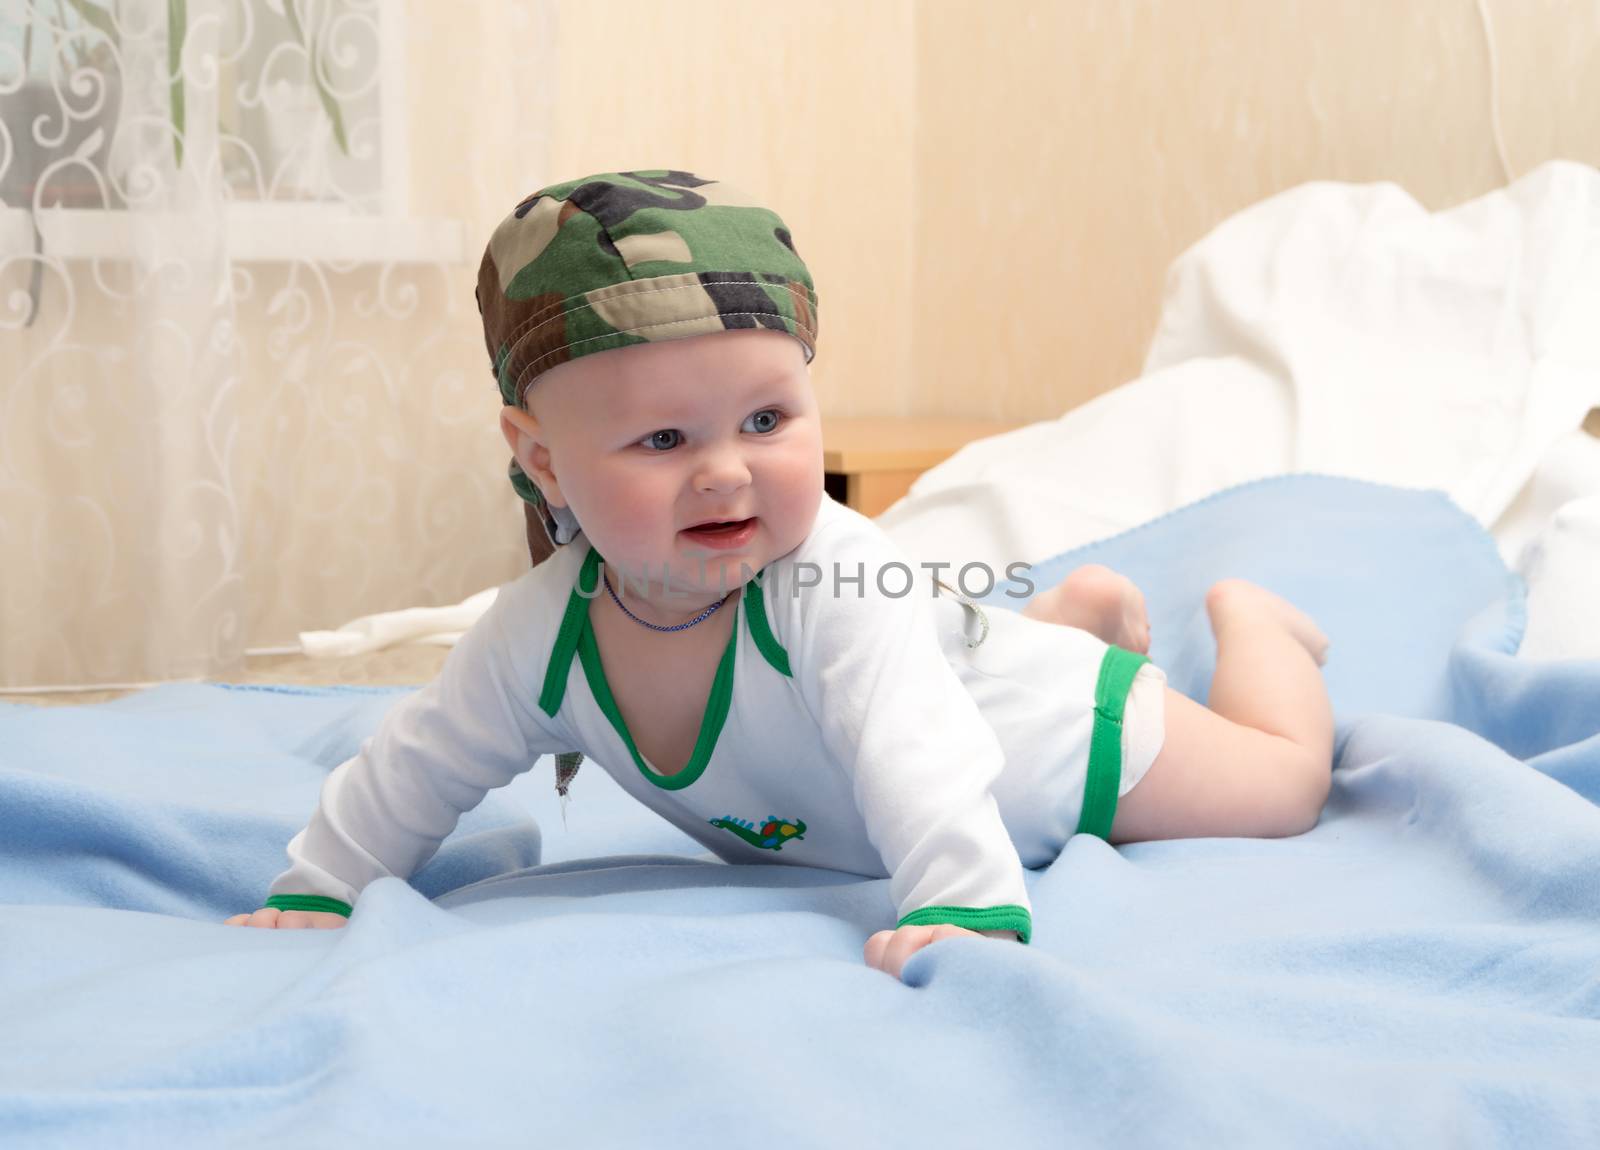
(1216, 778)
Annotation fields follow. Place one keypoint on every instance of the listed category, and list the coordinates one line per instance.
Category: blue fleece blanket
(1422, 969)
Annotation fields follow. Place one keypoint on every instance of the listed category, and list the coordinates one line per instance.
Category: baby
(760, 664)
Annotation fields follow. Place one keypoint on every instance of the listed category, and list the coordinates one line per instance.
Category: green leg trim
(1117, 670)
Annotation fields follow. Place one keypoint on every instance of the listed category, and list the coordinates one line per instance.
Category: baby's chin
(685, 576)
(712, 574)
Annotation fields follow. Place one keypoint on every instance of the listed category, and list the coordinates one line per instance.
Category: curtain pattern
(212, 435)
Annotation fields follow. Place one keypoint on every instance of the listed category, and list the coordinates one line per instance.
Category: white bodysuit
(847, 728)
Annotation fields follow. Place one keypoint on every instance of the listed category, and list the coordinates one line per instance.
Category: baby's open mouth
(720, 527)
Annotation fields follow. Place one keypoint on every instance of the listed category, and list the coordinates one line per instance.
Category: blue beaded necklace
(700, 618)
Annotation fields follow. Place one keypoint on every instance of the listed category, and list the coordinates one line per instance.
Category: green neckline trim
(573, 623)
(1104, 778)
(1007, 917)
(717, 704)
(755, 613)
(576, 638)
(309, 902)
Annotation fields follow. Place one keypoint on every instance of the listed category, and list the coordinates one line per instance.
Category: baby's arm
(921, 759)
(384, 811)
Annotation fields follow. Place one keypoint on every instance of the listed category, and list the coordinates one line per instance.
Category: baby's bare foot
(1236, 598)
(1098, 600)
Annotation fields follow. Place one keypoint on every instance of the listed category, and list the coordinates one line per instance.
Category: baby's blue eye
(770, 423)
(653, 440)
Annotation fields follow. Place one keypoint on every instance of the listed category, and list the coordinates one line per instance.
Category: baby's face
(647, 441)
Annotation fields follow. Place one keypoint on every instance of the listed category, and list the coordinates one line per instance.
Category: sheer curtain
(118, 491)
(243, 391)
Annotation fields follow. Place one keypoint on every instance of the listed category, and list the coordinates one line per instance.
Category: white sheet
(440, 626)
(1341, 329)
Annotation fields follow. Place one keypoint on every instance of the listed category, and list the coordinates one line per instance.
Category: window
(309, 100)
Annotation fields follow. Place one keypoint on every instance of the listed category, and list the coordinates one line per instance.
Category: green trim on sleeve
(755, 614)
(309, 902)
(1104, 778)
(1008, 917)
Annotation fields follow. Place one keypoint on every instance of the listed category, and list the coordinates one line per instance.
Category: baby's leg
(1098, 600)
(1258, 763)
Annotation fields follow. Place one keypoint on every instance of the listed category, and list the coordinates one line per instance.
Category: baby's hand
(888, 950)
(273, 918)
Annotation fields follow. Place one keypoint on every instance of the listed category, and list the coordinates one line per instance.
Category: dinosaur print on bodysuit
(770, 835)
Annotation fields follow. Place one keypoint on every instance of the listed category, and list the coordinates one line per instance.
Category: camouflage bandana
(623, 258)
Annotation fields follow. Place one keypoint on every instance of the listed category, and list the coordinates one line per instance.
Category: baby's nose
(722, 470)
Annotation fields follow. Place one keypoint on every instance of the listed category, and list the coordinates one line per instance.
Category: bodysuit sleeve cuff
(309, 902)
(1008, 917)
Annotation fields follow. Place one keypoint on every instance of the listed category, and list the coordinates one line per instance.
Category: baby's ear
(526, 440)
(517, 426)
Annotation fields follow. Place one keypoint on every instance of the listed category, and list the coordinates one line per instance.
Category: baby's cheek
(793, 480)
(630, 503)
